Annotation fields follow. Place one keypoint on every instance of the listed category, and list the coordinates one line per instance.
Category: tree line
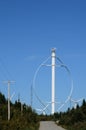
(73, 119)
(22, 116)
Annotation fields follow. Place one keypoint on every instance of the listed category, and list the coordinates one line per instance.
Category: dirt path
(49, 125)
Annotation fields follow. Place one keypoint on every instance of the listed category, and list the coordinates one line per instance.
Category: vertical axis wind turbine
(53, 66)
(53, 55)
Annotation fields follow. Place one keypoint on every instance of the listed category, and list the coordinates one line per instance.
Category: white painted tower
(53, 55)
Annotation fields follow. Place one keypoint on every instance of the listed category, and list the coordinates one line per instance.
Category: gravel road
(49, 125)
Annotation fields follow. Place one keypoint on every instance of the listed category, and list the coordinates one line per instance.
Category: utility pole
(53, 56)
(21, 108)
(31, 96)
(9, 82)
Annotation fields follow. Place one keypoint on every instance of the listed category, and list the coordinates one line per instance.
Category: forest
(73, 119)
(23, 117)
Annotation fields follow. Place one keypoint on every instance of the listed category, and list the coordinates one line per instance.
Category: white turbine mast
(53, 56)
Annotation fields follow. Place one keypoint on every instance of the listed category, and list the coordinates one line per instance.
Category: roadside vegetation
(22, 116)
(74, 119)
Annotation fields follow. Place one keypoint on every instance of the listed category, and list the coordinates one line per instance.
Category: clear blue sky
(28, 31)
